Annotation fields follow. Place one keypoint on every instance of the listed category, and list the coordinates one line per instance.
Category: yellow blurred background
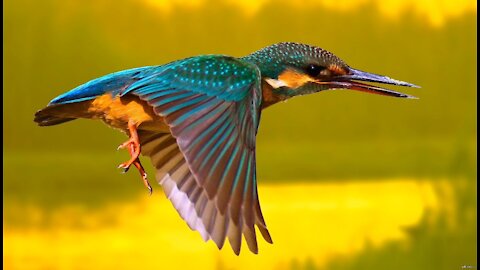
(347, 180)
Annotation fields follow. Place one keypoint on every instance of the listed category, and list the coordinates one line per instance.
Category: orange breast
(117, 112)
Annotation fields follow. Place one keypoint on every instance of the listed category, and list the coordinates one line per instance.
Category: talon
(144, 175)
(147, 184)
(125, 144)
(150, 190)
(124, 166)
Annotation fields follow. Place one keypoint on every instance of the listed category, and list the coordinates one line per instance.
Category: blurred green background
(339, 138)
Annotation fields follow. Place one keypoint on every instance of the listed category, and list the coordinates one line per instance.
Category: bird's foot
(133, 145)
(134, 149)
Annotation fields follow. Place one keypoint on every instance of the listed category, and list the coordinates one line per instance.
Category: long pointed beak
(349, 81)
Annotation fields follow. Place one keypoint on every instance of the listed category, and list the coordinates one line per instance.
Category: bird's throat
(269, 95)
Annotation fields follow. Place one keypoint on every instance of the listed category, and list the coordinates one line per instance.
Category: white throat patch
(275, 83)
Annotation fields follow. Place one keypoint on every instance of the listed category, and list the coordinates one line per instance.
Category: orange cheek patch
(293, 79)
(337, 70)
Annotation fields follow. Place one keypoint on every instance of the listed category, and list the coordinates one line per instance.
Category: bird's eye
(314, 70)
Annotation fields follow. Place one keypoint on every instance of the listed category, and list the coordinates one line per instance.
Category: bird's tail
(60, 113)
(74, 103)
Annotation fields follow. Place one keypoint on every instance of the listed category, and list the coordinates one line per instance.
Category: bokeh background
(347, 180)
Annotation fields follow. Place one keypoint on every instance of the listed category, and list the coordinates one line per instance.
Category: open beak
(349, 81)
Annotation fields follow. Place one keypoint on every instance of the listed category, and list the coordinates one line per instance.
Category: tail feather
(60, 113)
(49, 120)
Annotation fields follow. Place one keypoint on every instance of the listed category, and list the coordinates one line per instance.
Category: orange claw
(134, 148)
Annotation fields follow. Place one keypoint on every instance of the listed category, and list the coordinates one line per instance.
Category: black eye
(313, 70)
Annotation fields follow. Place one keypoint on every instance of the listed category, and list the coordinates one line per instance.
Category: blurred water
(317, 225)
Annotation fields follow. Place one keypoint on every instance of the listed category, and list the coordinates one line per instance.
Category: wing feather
(207, 164)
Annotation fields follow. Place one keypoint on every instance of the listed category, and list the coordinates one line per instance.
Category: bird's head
(293, 69)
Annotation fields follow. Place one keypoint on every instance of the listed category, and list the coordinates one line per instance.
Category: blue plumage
(109, 83)
(214, 75)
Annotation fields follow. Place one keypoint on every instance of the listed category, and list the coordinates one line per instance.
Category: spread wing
(207, 164)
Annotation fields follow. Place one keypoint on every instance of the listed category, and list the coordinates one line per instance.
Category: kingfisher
(197, 119)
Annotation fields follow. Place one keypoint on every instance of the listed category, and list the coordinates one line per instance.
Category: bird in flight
(197, 120)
